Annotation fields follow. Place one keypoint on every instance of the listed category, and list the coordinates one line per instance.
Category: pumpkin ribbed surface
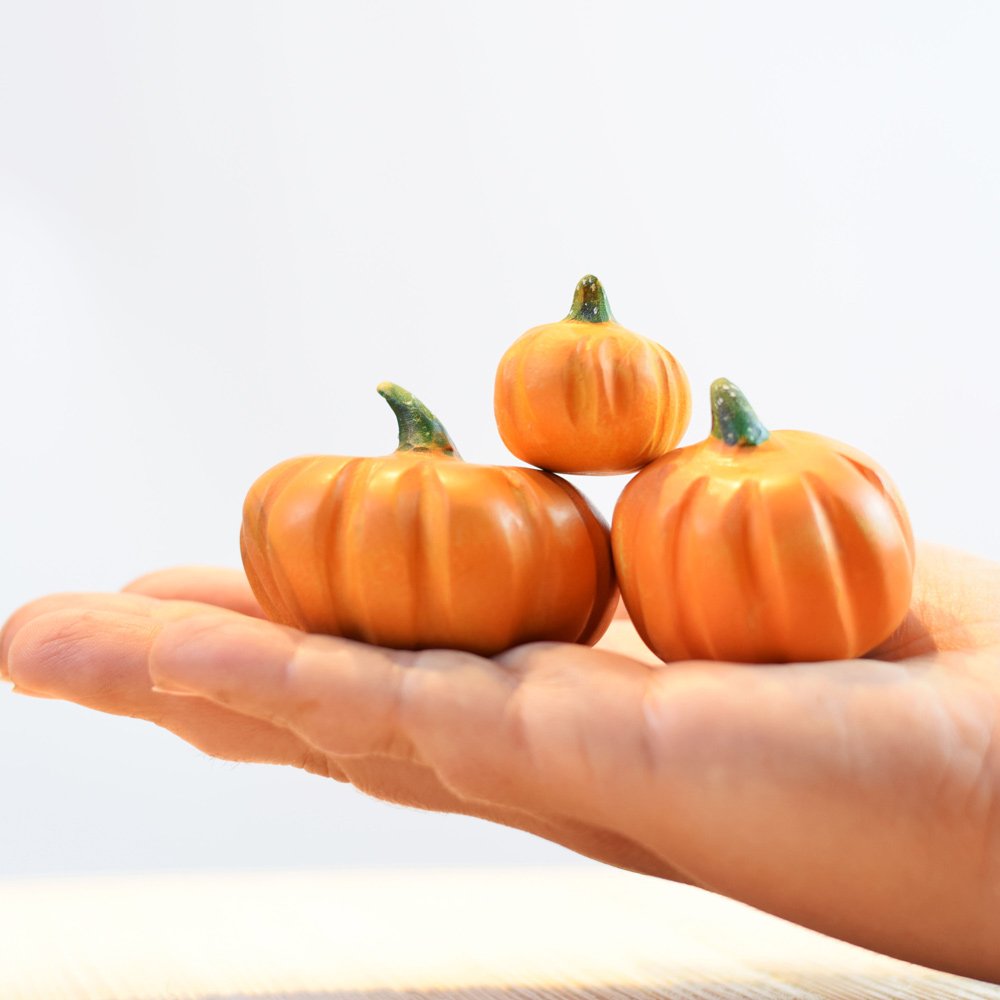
(798, 548)
(590, 398)
(586, 395)
(418, 550)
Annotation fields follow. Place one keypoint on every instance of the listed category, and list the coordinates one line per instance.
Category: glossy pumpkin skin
(585, 395)
(419, 549)
(796, 548)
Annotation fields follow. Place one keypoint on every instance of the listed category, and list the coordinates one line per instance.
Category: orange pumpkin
(585, 395)
(419, 549)
(762, 547)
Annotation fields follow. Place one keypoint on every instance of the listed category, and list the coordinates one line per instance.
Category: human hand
(859, 797)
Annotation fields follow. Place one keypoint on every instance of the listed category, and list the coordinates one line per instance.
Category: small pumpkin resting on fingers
(762, 547)
(585, 395)
(418, 549)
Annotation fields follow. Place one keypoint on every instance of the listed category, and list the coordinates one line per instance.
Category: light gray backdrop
(223, 223)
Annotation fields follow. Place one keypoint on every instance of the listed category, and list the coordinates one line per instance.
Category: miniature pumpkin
(762, 547)
(585, 395)
(419, 549)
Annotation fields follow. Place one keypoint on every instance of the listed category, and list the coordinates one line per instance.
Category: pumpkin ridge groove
(746, 507)
(521, 404)
(888, 493)
(258, 572)
(331, 548)
(604, 369)
(866, 472)
(407, 526)
(889, 498)
(666, 399)
(874, 602)
(284, 586)
(778, 603)
(573, 378)
(825, 523)
(517, 545)
(435, 560)
(264, 561)
(353, 560)
(687, 625)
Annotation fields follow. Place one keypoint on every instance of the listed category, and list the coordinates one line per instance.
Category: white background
(222, 224)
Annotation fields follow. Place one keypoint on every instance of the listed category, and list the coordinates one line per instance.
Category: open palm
(860, 798)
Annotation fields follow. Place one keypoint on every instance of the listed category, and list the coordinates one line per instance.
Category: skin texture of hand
(860, 798)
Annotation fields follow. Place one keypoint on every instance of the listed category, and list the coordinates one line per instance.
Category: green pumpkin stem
(590, 304)
(733, 418)
(419, 429)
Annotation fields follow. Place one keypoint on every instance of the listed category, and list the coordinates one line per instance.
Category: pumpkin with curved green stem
(761, 546)
(585, 395)
(419, 549)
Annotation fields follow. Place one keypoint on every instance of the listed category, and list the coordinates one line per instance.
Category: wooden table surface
(456, 934)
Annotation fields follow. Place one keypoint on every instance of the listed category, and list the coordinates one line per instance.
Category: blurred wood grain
(457, 934)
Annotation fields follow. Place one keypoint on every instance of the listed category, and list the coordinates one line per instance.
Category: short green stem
(419, 429)
(590, 304)
(733, 418)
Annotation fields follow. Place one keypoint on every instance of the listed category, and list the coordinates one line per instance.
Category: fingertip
(68, 649)
(20, 618)
(74, 605)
